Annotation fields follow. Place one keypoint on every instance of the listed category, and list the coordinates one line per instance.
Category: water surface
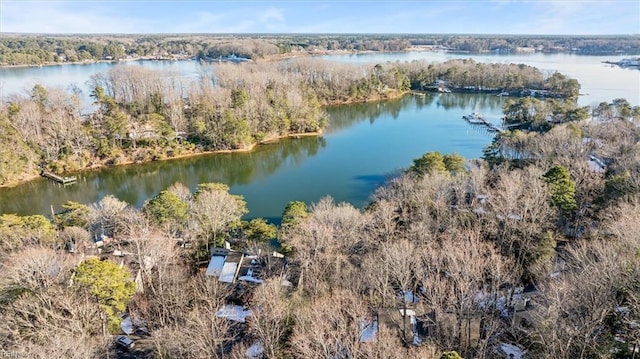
(363, 145)
(599, 81)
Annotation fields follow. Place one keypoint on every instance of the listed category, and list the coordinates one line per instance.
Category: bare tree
(196, 331)
(106, 215)
(40, 312)
(271, 320)
(326, 245)
(213, 209)
(329, 327)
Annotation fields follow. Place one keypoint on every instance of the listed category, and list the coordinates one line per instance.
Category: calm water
(363, 144)
(599, 82)
(75, 77)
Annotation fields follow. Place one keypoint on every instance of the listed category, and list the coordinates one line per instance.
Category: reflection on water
(362, 146)
(459, 101)
(136, 183)
(344, 116)
(599, 81)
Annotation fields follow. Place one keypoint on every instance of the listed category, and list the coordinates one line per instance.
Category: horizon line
(308, 34)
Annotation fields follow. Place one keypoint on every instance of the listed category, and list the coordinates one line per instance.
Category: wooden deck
(59, 179)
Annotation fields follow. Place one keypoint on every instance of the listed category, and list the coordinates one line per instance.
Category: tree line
(37, 50)
(142, 115)
(25, 49)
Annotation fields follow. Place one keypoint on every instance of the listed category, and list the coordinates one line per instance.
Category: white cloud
(273, 20)
(564, 17)
(573, 17)
(244, 26)
(239, 20)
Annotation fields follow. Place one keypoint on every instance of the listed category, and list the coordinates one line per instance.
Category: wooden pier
(59, 179)
(476, 119)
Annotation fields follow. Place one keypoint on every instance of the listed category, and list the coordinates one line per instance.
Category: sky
(540, 17)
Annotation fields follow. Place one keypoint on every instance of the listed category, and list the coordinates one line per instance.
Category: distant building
(525, 50)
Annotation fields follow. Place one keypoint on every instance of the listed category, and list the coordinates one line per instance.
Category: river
(363, 145)
(599, 81)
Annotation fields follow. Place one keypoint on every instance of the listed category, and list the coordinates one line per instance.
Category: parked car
(124, 342)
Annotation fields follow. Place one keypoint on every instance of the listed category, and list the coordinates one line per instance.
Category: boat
(474, 118)
(503, 93)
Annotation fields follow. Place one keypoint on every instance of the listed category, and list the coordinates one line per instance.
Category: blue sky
(580, 17)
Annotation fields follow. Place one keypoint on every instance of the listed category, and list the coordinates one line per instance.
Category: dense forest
(143, 115)
(25, 49)
(534, 248)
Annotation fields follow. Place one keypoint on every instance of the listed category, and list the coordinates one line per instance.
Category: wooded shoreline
(274, 57)
(531, 250)
(246, 149)
(141, 115)
(34, 49)
(101, 166)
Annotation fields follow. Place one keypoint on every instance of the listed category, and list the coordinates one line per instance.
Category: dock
(476, 119)
(60, 179)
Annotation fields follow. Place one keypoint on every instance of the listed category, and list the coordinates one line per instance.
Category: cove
(363, 145)
(599, 81)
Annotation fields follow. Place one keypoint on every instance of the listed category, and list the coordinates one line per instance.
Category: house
(244, 271)
(441, 86)
(234, 313)
(511, 351)
(224, 264)
(230, 266)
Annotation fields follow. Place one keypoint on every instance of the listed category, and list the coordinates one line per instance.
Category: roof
(233, 312)
(224, 264)
(228, 273)
(368, 331)
(512, 351)
(215, 265)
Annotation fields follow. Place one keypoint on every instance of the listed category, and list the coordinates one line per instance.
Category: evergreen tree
(111, 285)
(563, 189)
(430, 162)
(294, 212)
(166, 207)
